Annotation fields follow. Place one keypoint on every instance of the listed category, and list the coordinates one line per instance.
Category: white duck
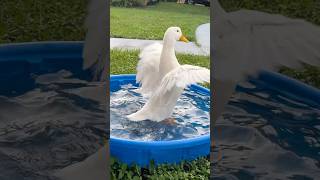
(248, 41)
(162, 77)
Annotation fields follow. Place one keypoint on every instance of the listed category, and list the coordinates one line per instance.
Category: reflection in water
(191, 114)
(268, 134)
(49, 117)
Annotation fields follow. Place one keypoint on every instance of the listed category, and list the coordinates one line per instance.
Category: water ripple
(267, 134)
(191, 114)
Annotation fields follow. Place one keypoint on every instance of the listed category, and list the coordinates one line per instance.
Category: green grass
(42, 20)
(308, 74)
(151, 22)
(125, 61)
(198, 169)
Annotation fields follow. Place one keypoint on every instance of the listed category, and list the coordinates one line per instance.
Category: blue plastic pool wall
(36, 51)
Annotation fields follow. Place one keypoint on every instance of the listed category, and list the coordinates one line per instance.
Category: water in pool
(49, 118)
(191, 115)
(267, 133)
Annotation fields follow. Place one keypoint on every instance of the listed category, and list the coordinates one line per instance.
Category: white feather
(247, 42)
(148, 68)
(161, 75)
(161, 103)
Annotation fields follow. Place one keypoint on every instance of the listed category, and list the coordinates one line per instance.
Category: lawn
(151, 22)
(42, 20)
(125, 61)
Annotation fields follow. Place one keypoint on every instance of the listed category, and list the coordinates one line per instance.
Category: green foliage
(169, 1)
(309, 74)
(305, 9)
(127, 3)
(198, 169)
(123, 171)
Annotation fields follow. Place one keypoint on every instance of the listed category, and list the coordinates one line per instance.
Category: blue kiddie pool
(138, 151)
(169, 151)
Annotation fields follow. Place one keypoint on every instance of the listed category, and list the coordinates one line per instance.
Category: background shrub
(131, 3)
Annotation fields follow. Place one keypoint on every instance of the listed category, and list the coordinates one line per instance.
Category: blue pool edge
(158, 151)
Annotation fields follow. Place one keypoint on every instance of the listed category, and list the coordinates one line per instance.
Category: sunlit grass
(151, 22)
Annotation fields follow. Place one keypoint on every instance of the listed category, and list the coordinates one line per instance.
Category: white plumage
(163, 78)
(246, 42)
(148, 68)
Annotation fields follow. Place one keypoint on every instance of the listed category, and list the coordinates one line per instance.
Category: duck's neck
(168, 47)
(168, 59)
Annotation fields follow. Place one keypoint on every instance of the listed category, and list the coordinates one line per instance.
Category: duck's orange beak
(183, 38)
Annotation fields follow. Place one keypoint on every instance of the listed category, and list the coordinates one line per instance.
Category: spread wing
(148, 68)
(272, 42)
(161, 104)
(289, 44)
(247, 42)
(181, 77)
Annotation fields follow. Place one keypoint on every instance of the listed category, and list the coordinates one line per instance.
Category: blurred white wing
(247, 42)
(148, 68)
(161, 103)
(265, 42)
(95, 46)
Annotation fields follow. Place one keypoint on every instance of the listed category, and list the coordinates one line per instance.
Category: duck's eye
(177, 30)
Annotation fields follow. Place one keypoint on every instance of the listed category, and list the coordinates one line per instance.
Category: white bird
(247, 41)
(163, 78)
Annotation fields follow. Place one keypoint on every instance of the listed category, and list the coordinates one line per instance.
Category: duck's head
(175, 33)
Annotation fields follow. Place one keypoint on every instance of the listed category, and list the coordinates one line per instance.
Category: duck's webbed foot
(169, 121)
